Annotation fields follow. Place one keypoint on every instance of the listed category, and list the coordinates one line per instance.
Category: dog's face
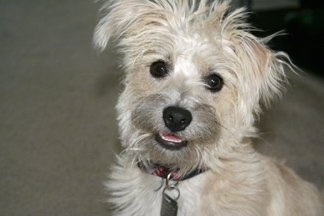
(194, 78)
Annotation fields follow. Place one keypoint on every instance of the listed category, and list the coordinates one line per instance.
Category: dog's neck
(165, 172)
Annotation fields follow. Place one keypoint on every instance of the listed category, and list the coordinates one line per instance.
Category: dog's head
(194, 81)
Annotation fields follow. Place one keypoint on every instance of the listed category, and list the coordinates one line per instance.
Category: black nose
(176, 118)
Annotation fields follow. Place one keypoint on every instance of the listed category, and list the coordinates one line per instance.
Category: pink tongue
(171, 138)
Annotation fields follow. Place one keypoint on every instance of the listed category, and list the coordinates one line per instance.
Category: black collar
(164, 172)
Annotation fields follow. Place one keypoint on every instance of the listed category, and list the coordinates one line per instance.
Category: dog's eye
(159, 69)
(214, 82)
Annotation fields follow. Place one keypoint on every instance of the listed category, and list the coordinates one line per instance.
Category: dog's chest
(147, 195)
(184, 199)
(136, 193)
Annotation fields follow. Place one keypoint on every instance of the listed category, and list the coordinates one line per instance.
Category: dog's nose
(176, 118)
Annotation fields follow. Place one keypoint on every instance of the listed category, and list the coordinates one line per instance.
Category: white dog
(195, 79)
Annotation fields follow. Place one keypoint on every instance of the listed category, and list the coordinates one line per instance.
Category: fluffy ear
(118, 18)
(268, 67)
(271, 67)
(262, 67)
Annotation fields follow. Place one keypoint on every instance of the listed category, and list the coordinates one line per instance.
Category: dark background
(304, 32)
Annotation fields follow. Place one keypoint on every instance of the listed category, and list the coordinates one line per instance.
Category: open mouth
(170, 141)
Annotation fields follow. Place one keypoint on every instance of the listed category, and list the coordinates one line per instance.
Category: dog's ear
(113, 23)
(127, 19)
(270, 68)
(266, 67)
(117, 17)
(263, 68)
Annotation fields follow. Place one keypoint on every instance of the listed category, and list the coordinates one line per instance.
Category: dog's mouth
(170, 141)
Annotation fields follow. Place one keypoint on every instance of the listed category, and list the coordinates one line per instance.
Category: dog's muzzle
(176, 118)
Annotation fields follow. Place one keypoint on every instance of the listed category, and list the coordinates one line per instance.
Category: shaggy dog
(195, 81)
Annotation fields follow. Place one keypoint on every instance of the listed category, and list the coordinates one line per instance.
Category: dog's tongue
(171, 138)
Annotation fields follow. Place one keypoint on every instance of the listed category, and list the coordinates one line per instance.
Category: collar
(164, 172)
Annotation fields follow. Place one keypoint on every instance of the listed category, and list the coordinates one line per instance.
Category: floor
(58, 130)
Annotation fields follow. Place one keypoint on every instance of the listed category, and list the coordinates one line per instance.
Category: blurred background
(302, 25)
(58, 133)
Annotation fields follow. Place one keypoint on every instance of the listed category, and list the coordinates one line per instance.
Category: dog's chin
(172, 150)
(170, 141)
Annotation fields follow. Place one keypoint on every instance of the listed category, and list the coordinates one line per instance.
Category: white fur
(197, 38)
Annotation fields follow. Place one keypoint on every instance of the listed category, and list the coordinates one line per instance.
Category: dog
(196, 80)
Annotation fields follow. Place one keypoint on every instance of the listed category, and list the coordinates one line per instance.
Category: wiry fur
(196, 38)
